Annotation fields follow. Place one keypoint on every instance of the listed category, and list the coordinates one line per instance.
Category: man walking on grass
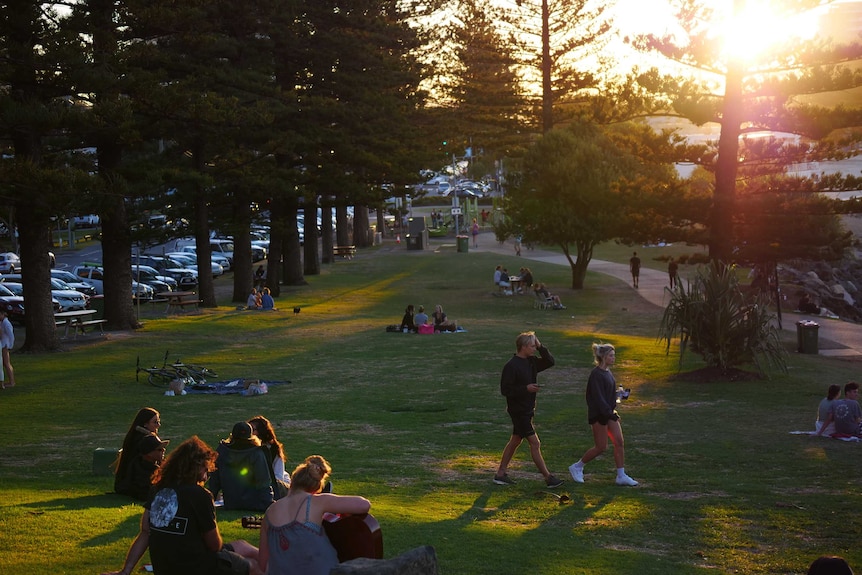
(518, 384)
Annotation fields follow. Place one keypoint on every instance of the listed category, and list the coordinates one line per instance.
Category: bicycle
(168, 372)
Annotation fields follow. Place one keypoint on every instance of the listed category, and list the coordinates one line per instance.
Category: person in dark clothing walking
(518, 384)
(635, 267)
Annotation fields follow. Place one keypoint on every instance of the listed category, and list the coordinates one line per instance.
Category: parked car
(13, 304)
(69, 298)
(190, 261)
(92, 273)
(223, 247)
(216, 257)
(187, 279)
(15, 308)
(9, 263)
(73, 281)
(159, 283)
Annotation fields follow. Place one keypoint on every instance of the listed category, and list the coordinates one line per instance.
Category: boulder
(418, 561)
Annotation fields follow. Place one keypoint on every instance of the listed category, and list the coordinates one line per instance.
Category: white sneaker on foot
(577, 472)
(626, 481)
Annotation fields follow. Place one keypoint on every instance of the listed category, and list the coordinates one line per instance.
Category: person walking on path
(518, 385)
(635, 268)
(602, 417)
(475, 232)
(7, 341)
(672, 270)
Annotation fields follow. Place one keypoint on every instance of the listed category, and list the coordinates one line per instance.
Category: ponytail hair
(600, 351)
(311, 475)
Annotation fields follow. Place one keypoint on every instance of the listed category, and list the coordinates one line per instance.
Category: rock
(418, 561)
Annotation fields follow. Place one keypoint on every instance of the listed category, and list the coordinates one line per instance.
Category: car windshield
(64, 276)
(60, 284)
(5, 291)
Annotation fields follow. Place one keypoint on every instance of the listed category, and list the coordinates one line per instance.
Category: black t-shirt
(179, 518)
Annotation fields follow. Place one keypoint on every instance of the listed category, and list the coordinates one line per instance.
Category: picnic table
(178, 300)
(77, 320)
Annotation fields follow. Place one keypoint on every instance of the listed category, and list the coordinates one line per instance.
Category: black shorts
(231, 563)
(522, 424)
(604, 420)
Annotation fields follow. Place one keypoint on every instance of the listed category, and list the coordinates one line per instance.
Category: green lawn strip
(417, 424)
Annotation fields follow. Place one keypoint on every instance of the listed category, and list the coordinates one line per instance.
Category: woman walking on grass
(602, 417)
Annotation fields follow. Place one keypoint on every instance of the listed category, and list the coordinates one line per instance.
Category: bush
(714, 318)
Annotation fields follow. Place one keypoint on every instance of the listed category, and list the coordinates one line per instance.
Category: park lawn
(417, 424)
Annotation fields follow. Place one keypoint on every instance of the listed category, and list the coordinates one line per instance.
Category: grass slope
(417, 424)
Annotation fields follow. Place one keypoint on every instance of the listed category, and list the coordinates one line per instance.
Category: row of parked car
(152, 275)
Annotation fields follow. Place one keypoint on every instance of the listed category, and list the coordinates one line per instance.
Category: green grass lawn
(417, 425)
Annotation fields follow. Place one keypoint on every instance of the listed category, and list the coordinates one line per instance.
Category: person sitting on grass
(242, 471)
(292, 539)
(845, 413)
(407, 323)
(253, 301)
(151, 454)
(179, 522)
(266, 301)
(147, 421)
(441, 322)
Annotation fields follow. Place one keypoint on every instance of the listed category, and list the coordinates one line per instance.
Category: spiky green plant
(713, 317)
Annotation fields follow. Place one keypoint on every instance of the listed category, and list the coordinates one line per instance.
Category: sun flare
(759, 29)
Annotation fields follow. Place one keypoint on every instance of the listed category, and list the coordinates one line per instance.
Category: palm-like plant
(712, 317)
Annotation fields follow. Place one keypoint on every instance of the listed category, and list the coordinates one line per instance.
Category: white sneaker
(626, 481)
(577, 472)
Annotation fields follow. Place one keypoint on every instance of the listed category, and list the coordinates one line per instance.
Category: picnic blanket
(839, 436)
(231, 387)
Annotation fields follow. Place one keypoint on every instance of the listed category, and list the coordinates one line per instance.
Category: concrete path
(836, 338)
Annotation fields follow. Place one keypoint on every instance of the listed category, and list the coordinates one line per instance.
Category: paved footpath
(836, 338)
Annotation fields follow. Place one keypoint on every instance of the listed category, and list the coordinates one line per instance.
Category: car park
(9, 263)
(187, 279)
(70, 279)
(93, 274)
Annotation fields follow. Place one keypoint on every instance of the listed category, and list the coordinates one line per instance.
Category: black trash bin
(463, 244)
(413, 242)
(806, 336)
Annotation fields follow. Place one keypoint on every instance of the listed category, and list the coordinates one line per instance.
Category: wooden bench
(179, 300)
(82, 325)
(346, 252)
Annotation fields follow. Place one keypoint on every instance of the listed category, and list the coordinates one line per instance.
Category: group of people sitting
(525, 281)
(421, 322)
(260, 299)
(179, 525)
(840, 417)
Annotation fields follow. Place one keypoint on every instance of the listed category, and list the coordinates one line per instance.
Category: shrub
(714, 318)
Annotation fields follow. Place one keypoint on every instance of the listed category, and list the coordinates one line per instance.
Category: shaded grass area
(417, 424)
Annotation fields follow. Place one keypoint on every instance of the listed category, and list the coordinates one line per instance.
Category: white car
(9, 263)
(216, 257)
(190, 260)
(70, 299)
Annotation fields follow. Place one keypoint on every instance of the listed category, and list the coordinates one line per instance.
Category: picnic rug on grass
(231, 387)
(838, 436)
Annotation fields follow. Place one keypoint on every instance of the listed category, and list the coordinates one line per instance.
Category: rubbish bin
(463, 244)
(806, 336)
(413, 242)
